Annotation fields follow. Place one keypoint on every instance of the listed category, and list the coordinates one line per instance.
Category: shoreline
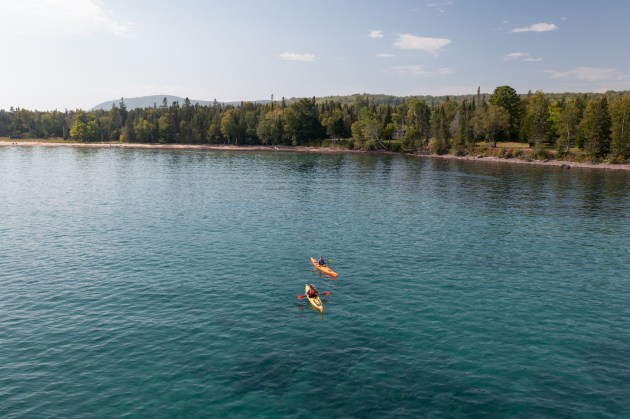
(559, 163)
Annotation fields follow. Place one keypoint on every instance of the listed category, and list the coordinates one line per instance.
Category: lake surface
(163, 283)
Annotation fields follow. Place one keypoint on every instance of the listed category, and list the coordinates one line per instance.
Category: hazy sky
(59, 54)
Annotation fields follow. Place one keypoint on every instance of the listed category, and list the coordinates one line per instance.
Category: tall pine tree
(596, 126)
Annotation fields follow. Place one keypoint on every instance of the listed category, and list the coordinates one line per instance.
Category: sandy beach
(559, 163)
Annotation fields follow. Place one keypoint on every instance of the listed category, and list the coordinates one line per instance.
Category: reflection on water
(164, 283)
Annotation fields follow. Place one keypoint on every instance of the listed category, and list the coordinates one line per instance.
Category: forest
(594, 126)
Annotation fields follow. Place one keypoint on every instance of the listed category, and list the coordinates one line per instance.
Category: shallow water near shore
(163, 283)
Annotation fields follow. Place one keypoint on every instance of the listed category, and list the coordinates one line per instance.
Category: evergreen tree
(417, 122)
(538, 120)
(249, 122)
(302, 122)
(461, 127)
(506, 97)
(122, 109)
(440, 128)
(596, 125)
(114, 123)
(620, 115)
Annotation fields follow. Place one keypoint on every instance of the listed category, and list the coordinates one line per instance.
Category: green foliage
(214, 134)
(413, 121)
(620, 116)
(539, 153)
(301, 121)
(489, 121)
(84, 127)
(366, 130)
(537, 121)
(440, 126)
(271, 128)
(461, 127)
(404, 124)
(333, 121)
(231, 126)
(439, 146)
(394, 146)
(507, 98)
(596, 125)
(162, 128)
(567, 124)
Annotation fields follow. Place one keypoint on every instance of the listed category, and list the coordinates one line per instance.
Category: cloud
(376, 34)
(440, 6)
(62, 17)
(385, 55)
(592, 74)
(520, 56)
(431, 45)
(419, 70)
(537, 27)
(410, 70)
(290, 56)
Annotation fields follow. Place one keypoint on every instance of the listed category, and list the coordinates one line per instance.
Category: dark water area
(161, 283)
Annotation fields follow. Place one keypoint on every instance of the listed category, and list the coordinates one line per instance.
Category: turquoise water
(155, 283)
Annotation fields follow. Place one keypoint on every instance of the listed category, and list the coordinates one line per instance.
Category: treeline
(597, 125)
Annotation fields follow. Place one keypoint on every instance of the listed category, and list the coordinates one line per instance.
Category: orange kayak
(323, 268)
(315, 302)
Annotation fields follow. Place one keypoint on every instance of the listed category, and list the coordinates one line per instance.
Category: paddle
(304, 295)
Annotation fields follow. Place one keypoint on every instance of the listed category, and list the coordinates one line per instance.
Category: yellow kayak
(323, 268)
(315, 302)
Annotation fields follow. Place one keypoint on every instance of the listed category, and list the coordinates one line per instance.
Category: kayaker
(321, 261)
(312, 292)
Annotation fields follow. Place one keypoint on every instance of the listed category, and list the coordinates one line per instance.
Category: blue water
(163, 283)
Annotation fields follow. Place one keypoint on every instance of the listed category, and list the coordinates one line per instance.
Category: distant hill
(149, 101)
(380, 99)
(376, 99)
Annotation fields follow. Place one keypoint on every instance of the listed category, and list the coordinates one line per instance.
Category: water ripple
(163, 283)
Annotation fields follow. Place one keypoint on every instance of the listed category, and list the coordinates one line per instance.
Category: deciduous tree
(490, 121)
(270, 127)
(84, 127)
(567, 125)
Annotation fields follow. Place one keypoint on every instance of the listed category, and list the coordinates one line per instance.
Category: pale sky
(69, 54)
